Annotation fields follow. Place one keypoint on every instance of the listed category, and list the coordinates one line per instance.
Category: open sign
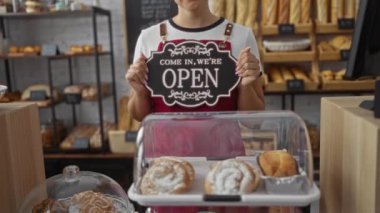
(191, 74)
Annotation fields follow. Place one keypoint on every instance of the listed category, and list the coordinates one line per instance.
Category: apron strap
(163, 32)
(228, 31)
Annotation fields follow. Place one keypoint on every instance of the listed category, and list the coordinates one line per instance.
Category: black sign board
(145, 13)
(191, 74)
(344, 55)
(295, 85)
(74, 98)
(81, 143)
(130, 136)
(346, 23)
(286, 29)
(38, 95)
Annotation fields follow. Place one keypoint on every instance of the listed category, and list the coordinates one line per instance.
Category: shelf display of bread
(243, 12)
(329, 12)
(276, 78)
(84, 49)
(332, 80)
(40, 94)
(295, 12)
(33, 6)
(82, 131)
(19, 51)
(90, 93)
(331, 50)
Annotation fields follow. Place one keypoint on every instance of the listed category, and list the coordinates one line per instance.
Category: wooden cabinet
(21, 158)
(350, 157)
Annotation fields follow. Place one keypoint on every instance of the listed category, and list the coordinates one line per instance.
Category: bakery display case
(77, 191)
(224, 159)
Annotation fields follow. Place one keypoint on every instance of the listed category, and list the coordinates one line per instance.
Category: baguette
(295, 11)
(300, 74)
(230, 10)
(271, 12)
(283, 11)
(241, 11)
(275, 75)
(286, 74)
(252, 13)
(322, 16)
(305, 11)
(349, 9)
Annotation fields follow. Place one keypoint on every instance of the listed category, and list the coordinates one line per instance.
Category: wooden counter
(350, 157)
(21, 159)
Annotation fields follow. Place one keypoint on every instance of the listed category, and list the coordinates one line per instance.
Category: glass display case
(77, 191)
(224, 159)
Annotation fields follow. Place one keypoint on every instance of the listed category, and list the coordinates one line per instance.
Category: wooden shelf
(318, 92)
(329, 28)
(296, 56)
(299, 29)
(56, 14)
(89, 156)
(360, 85)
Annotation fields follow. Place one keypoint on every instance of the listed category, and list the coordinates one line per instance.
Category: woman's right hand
(137, 75)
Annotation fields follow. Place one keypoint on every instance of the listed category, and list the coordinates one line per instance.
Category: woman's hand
(137, 75)
(247, 67)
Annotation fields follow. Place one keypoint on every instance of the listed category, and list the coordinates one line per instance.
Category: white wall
(78, 31)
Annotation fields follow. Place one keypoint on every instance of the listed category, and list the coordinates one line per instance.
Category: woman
(195, 21)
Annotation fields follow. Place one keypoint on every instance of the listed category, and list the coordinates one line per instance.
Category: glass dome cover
(77, 191)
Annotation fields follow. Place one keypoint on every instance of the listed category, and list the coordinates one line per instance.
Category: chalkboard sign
(145, 13)
(344, 55)
(295, 85)
(286, 29)
(346, 23)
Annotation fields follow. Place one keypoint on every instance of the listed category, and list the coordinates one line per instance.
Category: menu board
(145, 13)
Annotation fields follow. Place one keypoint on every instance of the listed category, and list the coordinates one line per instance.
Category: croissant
(277, 163)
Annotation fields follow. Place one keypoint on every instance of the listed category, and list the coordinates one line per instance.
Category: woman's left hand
(247, 67)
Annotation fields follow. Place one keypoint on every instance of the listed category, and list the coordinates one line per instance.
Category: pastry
(283, 11)
(90, 93)
(230, 10)
(33, 6)
(219, 7)
(341, 42)
(241, 11)
(95, 140)
(322, 11)
(275, 75)
(13, 49)
(277, 163)
(271, 12)
(286, 74)
(340, 74)
(295, 11)
(326, 47)
(299, 74)
(10, 97)
(80, 131)
(305, 11)
(231, 177)
(90, 201)
(43, 207)
(252, 13)
(327, 75)
(76, 49)
(168, 175)
(73, 89)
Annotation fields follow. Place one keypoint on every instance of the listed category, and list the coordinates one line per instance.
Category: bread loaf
(286, 74)
(283, 11)
(322, 11)
(241, 11)
(349, 9)
(295, 11)
(271, 12)
(252, 13)
(125, 118)
(264, 14)
(275, 75)
(300, 74)
(305, 11)
(230, 10)
(219, 8)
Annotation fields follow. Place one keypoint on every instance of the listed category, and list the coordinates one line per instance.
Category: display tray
(348, 85)
(293, 56)
(298, 29)
(196, 196)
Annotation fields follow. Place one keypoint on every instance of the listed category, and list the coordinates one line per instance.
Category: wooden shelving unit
(330, 28)
(298, 29)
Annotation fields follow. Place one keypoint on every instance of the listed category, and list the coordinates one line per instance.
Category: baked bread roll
(295, 11)
(73, 89)
(322, 11)
(230, 10)
(341, 42)
(299, 74)
(252, 13)
(326, 47)
(283, 11)
(271, 12)
(231, 177)
(340, 74)
(327, 75)
(277, 163)
(39, 87)
(241, 11)
(286, 74)
(305, 11)
(168, 175)
(275, 75)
